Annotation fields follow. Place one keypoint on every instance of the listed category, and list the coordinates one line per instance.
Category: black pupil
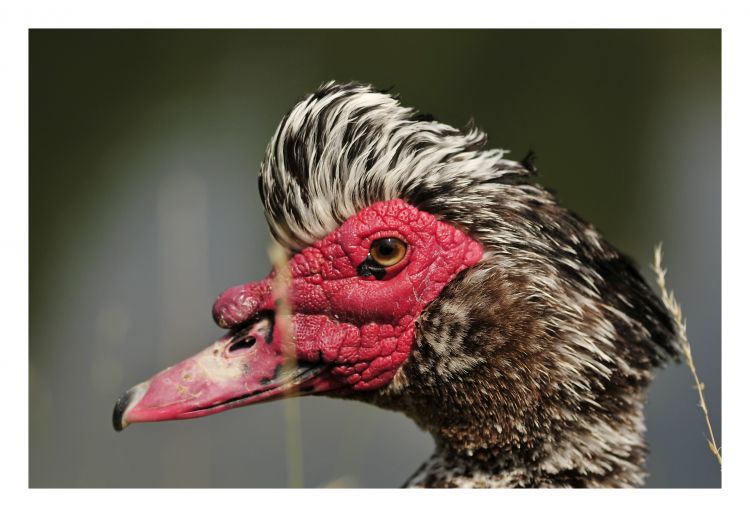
(385, 249)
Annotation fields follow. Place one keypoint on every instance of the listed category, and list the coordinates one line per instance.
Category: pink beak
(246, 366)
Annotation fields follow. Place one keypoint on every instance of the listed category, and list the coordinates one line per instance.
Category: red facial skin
(357, 330)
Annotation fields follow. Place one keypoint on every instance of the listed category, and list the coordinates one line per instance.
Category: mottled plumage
(530, 368)
(507, 328)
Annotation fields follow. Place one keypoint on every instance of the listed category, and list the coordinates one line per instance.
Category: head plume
(347, 146)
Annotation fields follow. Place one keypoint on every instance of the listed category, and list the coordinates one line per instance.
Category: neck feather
(599, 455)
(523, 386)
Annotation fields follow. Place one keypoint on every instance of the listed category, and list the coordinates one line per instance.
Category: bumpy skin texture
(362, 326)
(351, 329)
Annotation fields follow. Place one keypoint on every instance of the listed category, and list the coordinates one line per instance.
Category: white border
(19, 16)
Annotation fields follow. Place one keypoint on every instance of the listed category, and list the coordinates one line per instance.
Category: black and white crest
(347, 146)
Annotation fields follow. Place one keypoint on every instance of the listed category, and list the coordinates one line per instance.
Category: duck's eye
(388, 252)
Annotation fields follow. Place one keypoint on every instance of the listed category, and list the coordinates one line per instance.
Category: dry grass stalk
(292, 414)
(670, 302)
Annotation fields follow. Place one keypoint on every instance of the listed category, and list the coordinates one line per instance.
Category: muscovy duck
(429, 275)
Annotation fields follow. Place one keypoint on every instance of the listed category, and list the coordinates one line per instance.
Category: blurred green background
(144, 151)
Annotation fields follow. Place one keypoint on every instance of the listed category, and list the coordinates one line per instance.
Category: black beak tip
(122, 404)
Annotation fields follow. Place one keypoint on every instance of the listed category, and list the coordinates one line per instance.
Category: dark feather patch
(528, 161)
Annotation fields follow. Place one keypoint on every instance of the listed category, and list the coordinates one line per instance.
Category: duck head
(425, 274)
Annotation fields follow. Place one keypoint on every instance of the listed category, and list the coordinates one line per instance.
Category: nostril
(245, 343)
(243, 337)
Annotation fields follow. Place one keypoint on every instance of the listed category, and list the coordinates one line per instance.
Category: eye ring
(388, 251)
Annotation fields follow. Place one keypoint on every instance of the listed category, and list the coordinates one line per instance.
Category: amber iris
(388, 252)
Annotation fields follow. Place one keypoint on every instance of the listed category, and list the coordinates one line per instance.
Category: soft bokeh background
(145, 147)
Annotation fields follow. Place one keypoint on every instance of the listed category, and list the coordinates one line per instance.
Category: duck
(421, 272)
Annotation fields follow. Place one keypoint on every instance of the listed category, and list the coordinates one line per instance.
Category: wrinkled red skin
(362, 326)
(359, 329)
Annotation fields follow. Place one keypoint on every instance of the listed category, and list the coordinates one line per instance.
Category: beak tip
(119, 426)
(118, 422)
(124, 403)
